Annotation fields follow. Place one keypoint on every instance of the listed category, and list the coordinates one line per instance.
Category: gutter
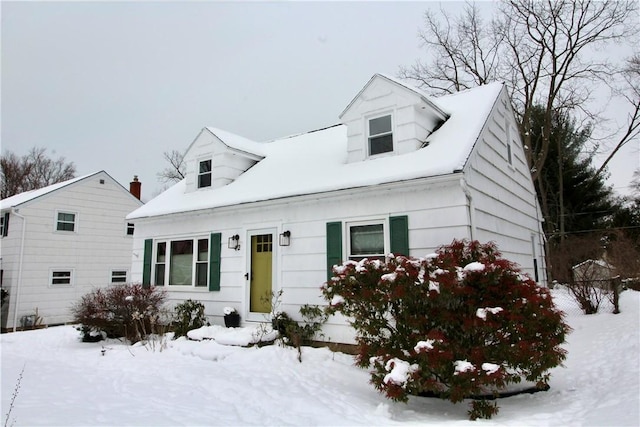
(19, 284)
(298, 198)
(470, 207)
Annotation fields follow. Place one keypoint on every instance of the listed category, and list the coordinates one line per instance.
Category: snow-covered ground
(69, 383)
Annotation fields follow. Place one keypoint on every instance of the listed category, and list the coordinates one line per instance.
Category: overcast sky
(113, 85)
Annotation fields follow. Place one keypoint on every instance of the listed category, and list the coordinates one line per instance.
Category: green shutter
(146, 269)
(399, 230)
(214, 261)
(334, 246)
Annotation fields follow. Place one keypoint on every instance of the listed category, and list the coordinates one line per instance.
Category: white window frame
(119, 270)
(129, 226)
(194, 262)
(2, 225)
(385, 232)
(71, 277)
(200, 174)
(369, 136)
(56, 221)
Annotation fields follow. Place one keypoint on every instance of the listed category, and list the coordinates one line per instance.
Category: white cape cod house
(59, 242)
(402, 173)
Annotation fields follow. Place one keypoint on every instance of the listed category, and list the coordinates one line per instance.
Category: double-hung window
(204, 174)
(371, 239)
(66, 221)
(380, 135)
(182, 262)
(161, 262)
(130, 228)
(366, 240)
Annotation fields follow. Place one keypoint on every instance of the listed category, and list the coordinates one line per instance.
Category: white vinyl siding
(97, 246)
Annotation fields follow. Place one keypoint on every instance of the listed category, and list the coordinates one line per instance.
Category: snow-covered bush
(188, 315)
(130, 311)
(459, 323)
(293, 333)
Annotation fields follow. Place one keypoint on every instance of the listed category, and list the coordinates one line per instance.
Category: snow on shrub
(129, 311)
(462, 322)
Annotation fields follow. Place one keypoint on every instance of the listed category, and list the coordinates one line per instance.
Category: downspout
(544, 244)
(14, 211)
(470, 209)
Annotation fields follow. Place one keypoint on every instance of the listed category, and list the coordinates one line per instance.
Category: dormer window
(380, 135)
(204, 174)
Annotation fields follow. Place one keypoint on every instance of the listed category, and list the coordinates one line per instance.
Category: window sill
(380, 155)
(182, 288)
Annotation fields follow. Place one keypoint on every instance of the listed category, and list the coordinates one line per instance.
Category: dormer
(388, 118)
(216, 158)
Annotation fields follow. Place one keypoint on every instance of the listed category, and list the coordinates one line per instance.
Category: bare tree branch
(32, 171)
(631, 93)
(538, 48)
(175, 172)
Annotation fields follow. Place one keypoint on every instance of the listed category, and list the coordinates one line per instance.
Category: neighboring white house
(61, 241)
(402, 173)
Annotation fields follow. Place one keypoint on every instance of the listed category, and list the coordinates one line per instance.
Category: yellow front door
(261, 273)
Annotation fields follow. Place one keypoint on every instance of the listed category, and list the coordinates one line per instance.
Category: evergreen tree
(626, 219)
(574, 199)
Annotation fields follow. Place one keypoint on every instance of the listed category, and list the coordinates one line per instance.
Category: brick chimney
(135, 187)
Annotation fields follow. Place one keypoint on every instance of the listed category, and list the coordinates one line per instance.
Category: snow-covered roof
(27, 196)
(598, 262)
(425, 97)
(316, 162)
(238, 142)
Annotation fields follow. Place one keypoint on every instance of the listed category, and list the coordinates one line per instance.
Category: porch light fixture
(285, 238)
(234, 242)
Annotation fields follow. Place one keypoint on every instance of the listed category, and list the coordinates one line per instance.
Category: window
(204, 174)
(61, 277)
(380, 135)
(508, 141)
(161, 259)
(264, 243)
(202, 263)
(366, 241)
(188, 263)
(180, 264)
(4, 224)
(130, 228)
(118, 276)
(66, 221)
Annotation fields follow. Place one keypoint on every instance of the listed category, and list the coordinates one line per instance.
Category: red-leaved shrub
(459, 323)
(129, 311)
